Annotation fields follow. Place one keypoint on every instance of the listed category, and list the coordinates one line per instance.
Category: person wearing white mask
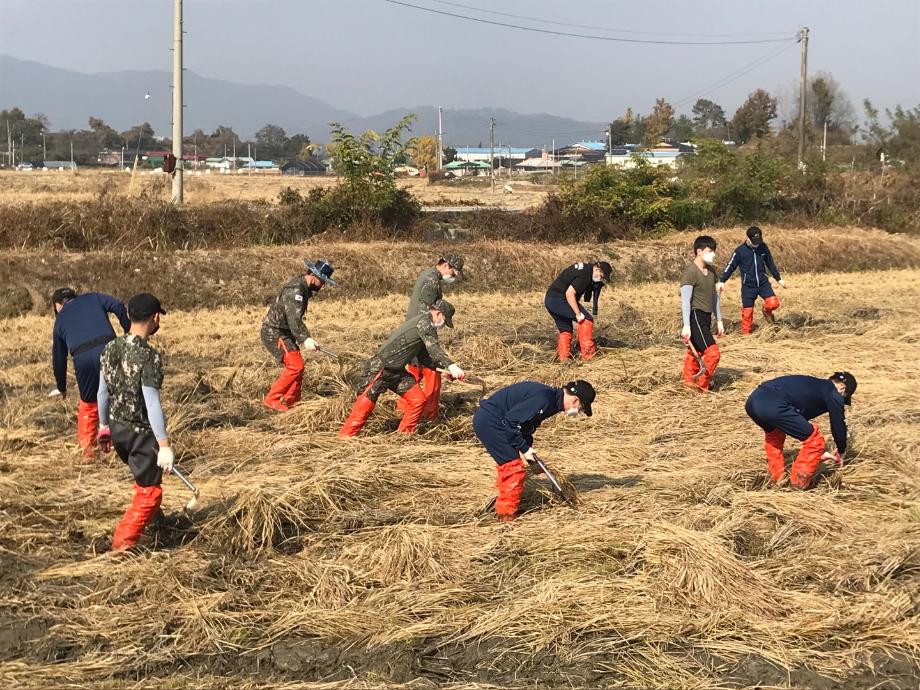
(580, 281)
(428, 289)
(699, 300)
(505, 424)
(386, 370)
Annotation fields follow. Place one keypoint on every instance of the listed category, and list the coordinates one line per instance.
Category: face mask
(439, 325)
(571, 412)
(448, 279)
(599, 280)
(709, 257)
(314, 289)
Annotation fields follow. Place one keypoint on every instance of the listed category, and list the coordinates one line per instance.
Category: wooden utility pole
(803, 78)
(492, 151)
(177, 103)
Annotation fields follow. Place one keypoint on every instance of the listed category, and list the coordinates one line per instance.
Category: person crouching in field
(754, 259)
(699, 300)
(82, 328)
(786, 405)
(505, 424)
(284, 332)
(580, 280)
(132, 417)
(417, 338)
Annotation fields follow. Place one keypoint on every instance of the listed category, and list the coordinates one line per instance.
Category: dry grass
(320, 563)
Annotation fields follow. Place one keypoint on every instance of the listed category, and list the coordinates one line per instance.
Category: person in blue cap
(284, 331)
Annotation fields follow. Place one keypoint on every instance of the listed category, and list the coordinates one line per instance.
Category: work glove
(104, 439)
(456, 372)
(57, 394)
(685, 334)
(579, 317)
(165, 459)
(310, 344)
(529, 454)
(721, 286)
(782, 284)
(720, 329)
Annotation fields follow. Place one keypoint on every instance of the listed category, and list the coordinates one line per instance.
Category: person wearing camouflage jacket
(427, 290)
(131, 416)
(284, 332)
(386, 370)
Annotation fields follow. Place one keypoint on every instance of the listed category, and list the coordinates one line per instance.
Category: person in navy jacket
(82, 329)
(786, 405)
(753, 259)
(505, 424)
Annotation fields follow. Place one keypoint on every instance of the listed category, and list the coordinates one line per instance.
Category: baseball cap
(606, 269)
(61, 295)
(454, 260)
(584, 391)
(446, 308)
(144, 305)
(754, 234)
(848, 381)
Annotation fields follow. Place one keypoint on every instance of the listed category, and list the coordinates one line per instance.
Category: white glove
(782, 284)
(165, 459)
(685, 334)
(579, 317)
(529, 454)
(456, 372)
(720, 286)
(310, 344)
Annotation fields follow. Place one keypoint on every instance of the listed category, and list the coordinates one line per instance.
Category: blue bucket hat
(322, 269)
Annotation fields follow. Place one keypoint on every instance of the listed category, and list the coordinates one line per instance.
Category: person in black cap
(82, 328)
(754, 259)
(505, 424)
(132, 417)
(582, 280)
(786, 405)
(284, 332)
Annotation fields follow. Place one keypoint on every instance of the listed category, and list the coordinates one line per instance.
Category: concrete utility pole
(440, 141)
(177, 102)
(492, 151)
(803, 78)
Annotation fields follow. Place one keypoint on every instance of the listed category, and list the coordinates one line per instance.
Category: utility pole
(440, 141)
(177, 102)
(803, 77)
(492, 151)
(824, 144)
(71, 155)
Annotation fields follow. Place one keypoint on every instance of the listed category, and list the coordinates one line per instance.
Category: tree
(681, 129)
(424, 151)
(222, 141)
(658, 122)
(140, 136)
(450, 155)
(25, 133)
(707, 117)
(295, 145)
(827, 102)
(271, 139)
(752, 119)
(106, 136)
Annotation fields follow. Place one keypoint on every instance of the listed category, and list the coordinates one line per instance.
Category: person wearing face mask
(284, 332)
(754, 259)
(580, 280)
(505, 424)
(699, 299)
(786, 405)
(417, 338)
(427, 291)
(131, 417)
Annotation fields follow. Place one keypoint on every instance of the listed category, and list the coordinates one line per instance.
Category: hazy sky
(369, 55)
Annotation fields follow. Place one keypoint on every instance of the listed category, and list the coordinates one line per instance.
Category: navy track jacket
(753, 262)
(522, 407)
(812, 397)
(82, 321)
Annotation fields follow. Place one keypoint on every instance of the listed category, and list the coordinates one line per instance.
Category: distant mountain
(69, 98)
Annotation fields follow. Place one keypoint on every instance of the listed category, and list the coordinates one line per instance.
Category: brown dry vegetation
(313, 562)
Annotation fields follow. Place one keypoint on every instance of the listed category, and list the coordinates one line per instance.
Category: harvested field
(312, 562)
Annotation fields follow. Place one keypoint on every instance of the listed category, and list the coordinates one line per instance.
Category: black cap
(848, 381)
(606, 269)
(584, 391)
(61, 295)
(446, 308)
(322, 269)
(142, 306)
(754, 234)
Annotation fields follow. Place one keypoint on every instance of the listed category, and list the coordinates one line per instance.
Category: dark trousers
(562, 313)
(376, 380)
(86, 369)
(138, 450)
(701, 330)
(749, 294)
(273, 339)
(493, 433)
(770, 410)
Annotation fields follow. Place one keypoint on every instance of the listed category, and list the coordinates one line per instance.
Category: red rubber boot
(415, 401)
(360, 411)
(432, 381)
(806, 462)
(87, 427)
(143, 508)
(510, 485)
(586, 339)
(747, 320)
(711, 356)
(564, 345)
(773, 444)
(770, 305)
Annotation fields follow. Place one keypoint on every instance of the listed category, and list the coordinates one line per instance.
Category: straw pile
(317, 563)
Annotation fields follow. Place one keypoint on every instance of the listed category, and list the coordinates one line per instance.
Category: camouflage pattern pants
(278, 343)
(376, 379)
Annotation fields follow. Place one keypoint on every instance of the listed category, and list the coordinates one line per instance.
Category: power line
(595, 28)
(569, 34)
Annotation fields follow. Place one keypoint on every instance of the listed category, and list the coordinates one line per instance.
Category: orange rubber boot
(293, 369)
(806, 462)
(747, 320)
(360, 411)
(510, 484)
(691, 367)
(564, 345)
(416, 373)
(415, 401)
(87, 427)
(432, 381)
(143, 508)
(770, 305)
(711, 356)
(586, 339)
(773, 443)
